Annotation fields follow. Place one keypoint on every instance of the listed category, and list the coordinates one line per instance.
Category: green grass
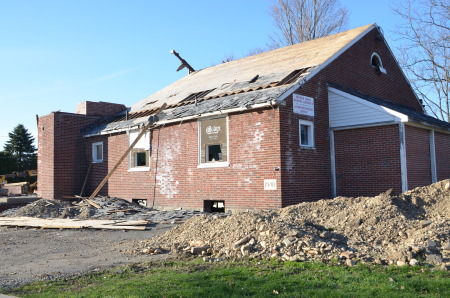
(250, 278)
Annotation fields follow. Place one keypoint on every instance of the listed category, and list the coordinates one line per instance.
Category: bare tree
(301, 20)
(425, 49)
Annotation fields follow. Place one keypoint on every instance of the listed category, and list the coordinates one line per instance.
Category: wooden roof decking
(271, 67)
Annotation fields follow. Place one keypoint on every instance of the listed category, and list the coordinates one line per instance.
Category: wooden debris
(92, 203)
(65, 223)
(120, 210)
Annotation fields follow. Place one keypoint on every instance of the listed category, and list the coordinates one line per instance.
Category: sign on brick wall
(303, 105)
(270, 184)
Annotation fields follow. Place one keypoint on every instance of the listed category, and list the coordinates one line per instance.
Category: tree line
(18, 153)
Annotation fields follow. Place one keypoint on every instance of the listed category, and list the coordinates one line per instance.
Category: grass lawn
(246, 278)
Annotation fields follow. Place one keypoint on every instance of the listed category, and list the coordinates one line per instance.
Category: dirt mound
(48, 208)
(407, 228)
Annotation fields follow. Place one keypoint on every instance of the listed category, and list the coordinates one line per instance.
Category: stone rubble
(407, 229)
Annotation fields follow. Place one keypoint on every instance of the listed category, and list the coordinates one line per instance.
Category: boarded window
(213, 140)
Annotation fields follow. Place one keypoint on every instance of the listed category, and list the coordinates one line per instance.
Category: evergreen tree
(20, 146)
(8, 163)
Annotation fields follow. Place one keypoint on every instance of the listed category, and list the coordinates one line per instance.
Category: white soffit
(347, 110)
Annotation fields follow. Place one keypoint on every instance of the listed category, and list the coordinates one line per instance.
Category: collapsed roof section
(247, 83)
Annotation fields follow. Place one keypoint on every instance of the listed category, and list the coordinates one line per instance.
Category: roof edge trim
(326, 63)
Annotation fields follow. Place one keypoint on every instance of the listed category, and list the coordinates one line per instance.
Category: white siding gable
(348, 110)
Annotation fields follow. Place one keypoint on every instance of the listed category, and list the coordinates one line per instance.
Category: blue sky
(56, 54)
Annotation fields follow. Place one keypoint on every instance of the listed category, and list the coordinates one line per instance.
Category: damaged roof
(241, 83)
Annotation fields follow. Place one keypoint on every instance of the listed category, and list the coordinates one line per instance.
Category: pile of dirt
(409, 228)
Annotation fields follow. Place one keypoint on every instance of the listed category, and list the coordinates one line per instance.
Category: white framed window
(306, 131)
(97, 152)
(139, 157)
(213, 142)
(375, 62)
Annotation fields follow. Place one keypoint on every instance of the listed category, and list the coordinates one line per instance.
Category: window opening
(213, 142)
(141, 202)
(214, 206)
(97, 152)
(214, 152)
(140, 154)
(306, 133)
(376, 63)
(140, 158)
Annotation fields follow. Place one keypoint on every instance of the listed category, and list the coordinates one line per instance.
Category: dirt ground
(401, 229)
(35, 254)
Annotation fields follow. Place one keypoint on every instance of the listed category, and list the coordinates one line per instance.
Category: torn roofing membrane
(240, 83)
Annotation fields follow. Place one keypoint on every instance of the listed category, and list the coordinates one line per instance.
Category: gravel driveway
(34, 254)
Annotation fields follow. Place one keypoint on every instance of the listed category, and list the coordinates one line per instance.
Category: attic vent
(197, 95)
(293, 76)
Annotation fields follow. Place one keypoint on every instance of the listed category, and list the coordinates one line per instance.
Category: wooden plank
(144, 129)
(120, 210)
(66, 223)
(92, 203)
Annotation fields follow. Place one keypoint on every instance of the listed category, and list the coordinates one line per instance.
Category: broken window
(213, 142)
(139, 158)
(306, 133)
(97, 152)
(214, 206)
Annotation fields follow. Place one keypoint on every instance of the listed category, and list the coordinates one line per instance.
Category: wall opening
(141, 202)
(214, 206)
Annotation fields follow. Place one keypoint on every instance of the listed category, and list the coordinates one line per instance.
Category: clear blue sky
(55, 54)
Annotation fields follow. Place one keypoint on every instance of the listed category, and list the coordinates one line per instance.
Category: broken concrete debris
(406, 229)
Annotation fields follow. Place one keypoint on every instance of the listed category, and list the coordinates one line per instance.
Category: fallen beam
(66, 223)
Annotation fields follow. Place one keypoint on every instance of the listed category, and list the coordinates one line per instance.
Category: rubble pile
(98, 208)
(410, 228)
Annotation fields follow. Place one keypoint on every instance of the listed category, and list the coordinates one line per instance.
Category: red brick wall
(307, 172)
(62, 163)
(352, 69)
(46, 160)
(418, 156)
(442, 149)
(253, 156)
(101, 108)
(367, 160)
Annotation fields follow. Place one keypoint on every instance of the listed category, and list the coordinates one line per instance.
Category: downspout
(403, 165)
(333, 165)
(156, 168)
(433, 157)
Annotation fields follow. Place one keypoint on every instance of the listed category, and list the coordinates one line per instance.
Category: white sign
(303, 105)
(270, 184)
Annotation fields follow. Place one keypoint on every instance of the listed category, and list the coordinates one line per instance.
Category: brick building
(328, 117)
